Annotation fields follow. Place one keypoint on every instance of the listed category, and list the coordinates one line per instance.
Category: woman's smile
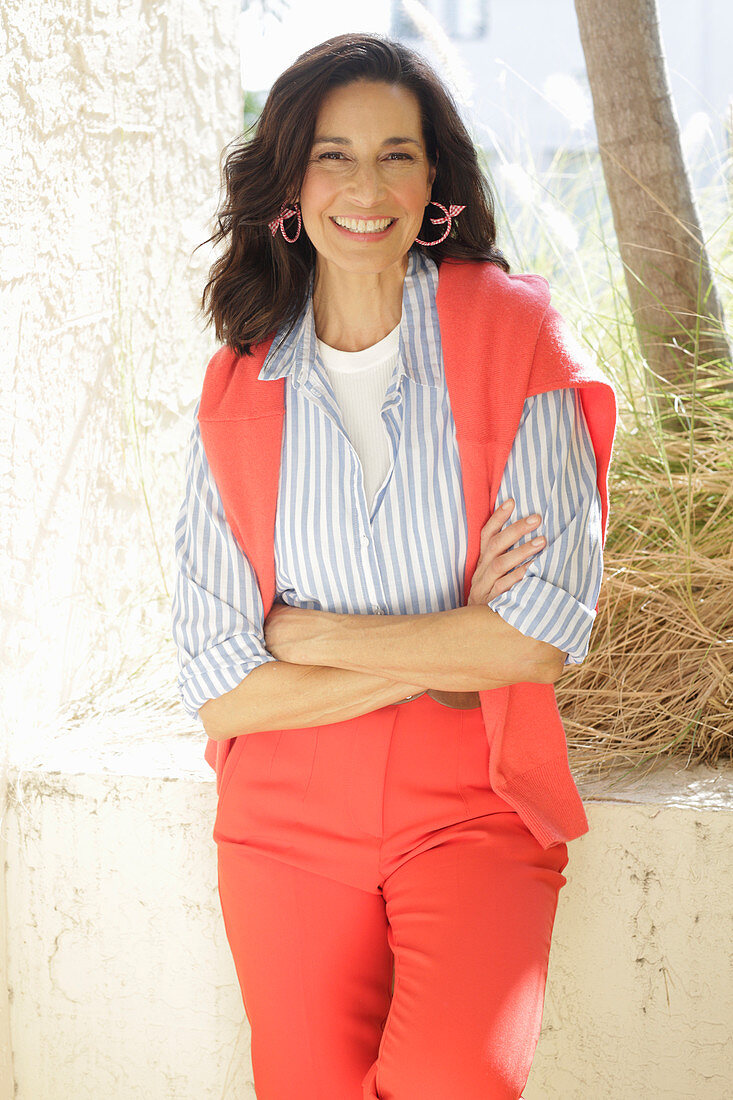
(365, 230)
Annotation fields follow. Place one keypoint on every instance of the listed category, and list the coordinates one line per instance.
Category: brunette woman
(369, 620)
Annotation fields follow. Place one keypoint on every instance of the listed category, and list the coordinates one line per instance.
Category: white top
(359, 380)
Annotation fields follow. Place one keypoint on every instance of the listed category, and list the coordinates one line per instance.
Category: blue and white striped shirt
(405, 554)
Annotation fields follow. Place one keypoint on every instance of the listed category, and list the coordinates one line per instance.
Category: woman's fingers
(524, 552)
(492, 529)
(501, 564)
(487, 582)
(495, 541)
(497, 519)
(503, 584)
(512, 564)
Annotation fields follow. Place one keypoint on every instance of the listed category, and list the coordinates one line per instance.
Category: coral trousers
(389, 915)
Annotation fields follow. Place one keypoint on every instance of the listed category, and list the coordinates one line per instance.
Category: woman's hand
(498, 567)
(288, 629)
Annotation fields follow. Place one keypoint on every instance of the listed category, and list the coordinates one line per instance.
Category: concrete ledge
(639, 994)
(121, 981)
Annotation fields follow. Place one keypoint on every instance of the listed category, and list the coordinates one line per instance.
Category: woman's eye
(406, 156)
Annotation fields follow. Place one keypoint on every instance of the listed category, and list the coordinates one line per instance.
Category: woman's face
(357, 169)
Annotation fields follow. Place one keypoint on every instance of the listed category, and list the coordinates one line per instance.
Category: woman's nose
(367, 185)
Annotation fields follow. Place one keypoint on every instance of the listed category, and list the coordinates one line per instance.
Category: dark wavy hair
(261, 281)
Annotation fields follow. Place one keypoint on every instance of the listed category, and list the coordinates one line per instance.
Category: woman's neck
(354, 310)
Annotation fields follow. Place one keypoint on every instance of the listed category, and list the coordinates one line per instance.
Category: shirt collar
(419, 357)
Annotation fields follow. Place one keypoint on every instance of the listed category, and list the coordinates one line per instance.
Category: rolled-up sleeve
(551, 470)
(216, 614)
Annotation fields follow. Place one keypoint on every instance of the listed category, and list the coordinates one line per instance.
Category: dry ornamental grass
(658, 678)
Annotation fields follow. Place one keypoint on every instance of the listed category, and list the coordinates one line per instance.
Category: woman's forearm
(464, 649)
(280, 695)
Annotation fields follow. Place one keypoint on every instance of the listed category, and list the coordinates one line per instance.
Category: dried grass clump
(658, 678)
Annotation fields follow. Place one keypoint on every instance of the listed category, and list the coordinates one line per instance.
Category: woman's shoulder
(479, 285)
(229, 380)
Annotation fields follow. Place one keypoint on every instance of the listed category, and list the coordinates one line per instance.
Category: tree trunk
(677, 312)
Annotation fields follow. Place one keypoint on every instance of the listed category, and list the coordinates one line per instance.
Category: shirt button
(365, 540)
(377, 610)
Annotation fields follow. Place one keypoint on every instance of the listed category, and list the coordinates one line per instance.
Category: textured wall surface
(116, 114)
(640, 988)
(114, 118)
(122, 983)
(125, 987)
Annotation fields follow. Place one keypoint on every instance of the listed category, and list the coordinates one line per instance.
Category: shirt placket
(319, 390)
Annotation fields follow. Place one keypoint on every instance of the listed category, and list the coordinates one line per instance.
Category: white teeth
(358, 226)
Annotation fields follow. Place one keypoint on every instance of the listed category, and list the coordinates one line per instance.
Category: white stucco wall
(123, 983)
(115, 115)
(640, 987)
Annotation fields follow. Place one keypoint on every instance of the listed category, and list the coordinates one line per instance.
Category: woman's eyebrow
(346, 141)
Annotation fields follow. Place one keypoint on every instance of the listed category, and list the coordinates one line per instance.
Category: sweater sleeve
(216, 613)
(551, 470)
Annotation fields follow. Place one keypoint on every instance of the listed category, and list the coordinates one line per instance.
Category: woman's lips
(366, 236)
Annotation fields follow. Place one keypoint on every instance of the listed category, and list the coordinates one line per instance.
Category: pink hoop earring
(286, 212)
(450, 213)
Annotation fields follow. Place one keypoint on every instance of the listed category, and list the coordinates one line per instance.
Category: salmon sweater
(502, 341)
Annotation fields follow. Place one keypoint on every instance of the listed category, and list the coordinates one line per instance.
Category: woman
(385, 795)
